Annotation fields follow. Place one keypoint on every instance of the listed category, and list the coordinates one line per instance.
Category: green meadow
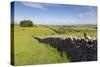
(28, 50)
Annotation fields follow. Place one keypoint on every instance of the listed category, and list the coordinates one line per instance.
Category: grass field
(30, 51)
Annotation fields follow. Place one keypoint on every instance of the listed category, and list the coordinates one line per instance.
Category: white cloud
(34, 5)
(91, 12)
(42, 6)
(88, 14)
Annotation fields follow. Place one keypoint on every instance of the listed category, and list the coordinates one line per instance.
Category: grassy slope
(30, 51)
(78, 31)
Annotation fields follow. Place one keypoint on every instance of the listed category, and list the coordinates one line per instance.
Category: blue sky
(54, 14)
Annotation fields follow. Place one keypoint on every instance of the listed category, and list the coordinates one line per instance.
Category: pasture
(28, 50)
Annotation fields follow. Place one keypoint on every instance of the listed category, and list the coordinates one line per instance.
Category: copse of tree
(26, 23)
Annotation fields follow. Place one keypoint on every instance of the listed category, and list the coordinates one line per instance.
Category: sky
(54, 14)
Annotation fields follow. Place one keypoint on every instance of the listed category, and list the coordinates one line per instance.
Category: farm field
(28, 50)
